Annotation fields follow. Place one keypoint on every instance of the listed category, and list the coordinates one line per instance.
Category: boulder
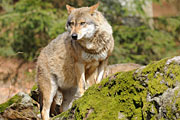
(19, 107)
(150, 92)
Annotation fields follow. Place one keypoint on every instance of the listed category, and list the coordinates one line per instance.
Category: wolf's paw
(79, 93)
(86, 87)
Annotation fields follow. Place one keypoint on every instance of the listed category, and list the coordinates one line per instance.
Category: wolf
(112, 69)
(76, 59)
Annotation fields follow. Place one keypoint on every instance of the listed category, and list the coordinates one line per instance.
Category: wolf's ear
(69, 8)
(93, 8)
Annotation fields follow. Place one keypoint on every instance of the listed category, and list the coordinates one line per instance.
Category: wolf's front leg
(80, 75)
(48, 89)
(101, 70)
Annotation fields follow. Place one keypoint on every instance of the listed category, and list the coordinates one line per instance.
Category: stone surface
(19, 107)
(150, 92)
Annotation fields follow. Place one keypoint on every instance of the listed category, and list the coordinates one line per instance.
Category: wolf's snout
(74, 36)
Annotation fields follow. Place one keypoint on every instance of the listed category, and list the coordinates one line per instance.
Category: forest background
(26, 26)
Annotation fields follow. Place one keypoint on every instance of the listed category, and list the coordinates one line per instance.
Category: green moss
(154, 74)
(12, 100)
(177, 104)
(173, 73)
(107, 99)
(59, 116)
(34, 94)
(34, 87)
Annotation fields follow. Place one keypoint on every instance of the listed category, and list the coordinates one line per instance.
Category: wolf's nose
(74, 36)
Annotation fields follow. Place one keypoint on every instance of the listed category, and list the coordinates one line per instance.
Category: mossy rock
(34, 94)
(19, 107)
(14, 99)
(151, 92)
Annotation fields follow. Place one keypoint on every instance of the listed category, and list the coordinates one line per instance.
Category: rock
(19, 107)
(150, 92)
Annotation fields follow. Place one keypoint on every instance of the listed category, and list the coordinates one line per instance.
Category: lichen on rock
(21, 106)
(12, 100)
(151, 92)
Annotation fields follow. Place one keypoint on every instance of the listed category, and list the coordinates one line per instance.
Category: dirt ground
(15, 76)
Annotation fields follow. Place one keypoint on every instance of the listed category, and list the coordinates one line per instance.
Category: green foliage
(6, 51)
(140, 44)
(114, 10)
(30, 26)
(170, 24)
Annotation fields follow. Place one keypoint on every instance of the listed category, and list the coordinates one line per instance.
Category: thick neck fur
(96, 44)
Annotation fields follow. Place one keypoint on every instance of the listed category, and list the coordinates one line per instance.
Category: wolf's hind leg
(56, 107)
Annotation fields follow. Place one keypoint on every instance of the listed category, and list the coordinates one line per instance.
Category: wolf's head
(81, 22)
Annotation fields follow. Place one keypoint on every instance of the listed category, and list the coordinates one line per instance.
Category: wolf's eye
(71, 23)
(82, 23)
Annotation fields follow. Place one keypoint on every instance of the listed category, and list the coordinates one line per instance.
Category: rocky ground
(149, 92)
